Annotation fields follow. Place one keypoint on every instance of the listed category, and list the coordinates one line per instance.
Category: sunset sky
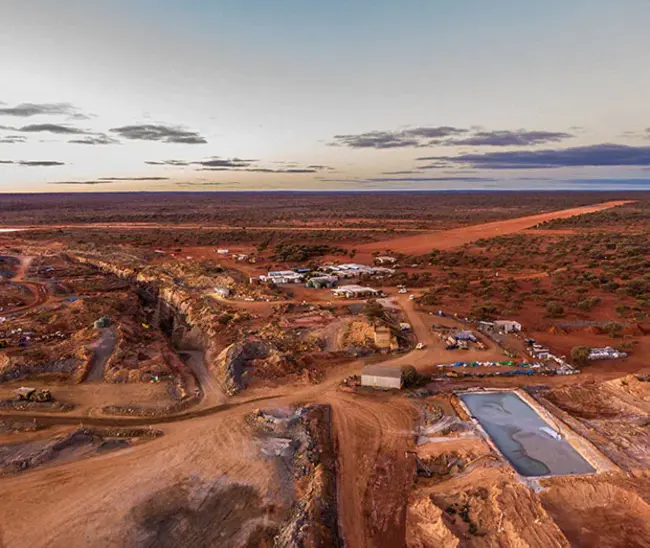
(297, 94)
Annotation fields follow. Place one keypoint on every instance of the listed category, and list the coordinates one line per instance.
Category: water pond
(533, 446)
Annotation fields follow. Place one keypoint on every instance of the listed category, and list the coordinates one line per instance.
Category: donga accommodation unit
(465, 336)
(606, 353)
(507, 326)
(356, 292)
(382, 376)
(283, 277)
(319, 282)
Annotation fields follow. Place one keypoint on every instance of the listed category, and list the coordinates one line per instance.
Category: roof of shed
(391, 371)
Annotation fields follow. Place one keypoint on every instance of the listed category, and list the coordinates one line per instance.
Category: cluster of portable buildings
(352, 270)
(328, 277)
(607, 353)
(500, 326)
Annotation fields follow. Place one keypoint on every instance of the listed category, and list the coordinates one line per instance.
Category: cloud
(585, 156)
(447, 136)
(405, 172)
(134, 179)
(291, 170)
(100, 182)
(261, 170)
(97, 139)
(328, 180)
(39, 163)
(428, 179)
(505, 138)
(621, 182)
(414, 137)
(222, 162)
(159, 132)
(168, 163)
(217, 163)
(207, 184)
(52, 128)
(26, 110)
(12, 139)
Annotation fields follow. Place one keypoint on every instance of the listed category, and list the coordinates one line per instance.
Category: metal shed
(382, 376)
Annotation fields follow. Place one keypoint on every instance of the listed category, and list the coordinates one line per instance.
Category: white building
(283, 277)
(507, 326)
(385, 260)
(355, 292)
(607, 353)
(382, 376)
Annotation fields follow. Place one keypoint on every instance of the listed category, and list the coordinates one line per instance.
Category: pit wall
(584, 448)
(187, 324)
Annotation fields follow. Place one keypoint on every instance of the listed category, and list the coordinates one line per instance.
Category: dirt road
(448, 239)
(103, 349)
(37, 289)
(213, 394)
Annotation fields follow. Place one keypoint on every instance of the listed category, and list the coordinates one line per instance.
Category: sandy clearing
(448, 239)
(91, 502)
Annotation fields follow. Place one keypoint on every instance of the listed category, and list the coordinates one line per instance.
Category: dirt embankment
(172, 302)
(314, 517)
(613, 512)
(373, 436)
(83, 442)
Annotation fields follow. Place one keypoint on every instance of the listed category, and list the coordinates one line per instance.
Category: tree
(373, 309)
(580, 355)
(554, 309)
(410, 376)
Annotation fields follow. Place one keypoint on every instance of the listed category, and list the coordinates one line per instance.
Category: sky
(338, 95)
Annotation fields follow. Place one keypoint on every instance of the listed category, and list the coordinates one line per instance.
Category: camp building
(382, 376)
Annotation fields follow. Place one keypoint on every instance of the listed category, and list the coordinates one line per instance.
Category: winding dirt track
(448, 239)
(37, 289)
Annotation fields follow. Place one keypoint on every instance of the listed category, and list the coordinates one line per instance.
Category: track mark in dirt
(375, 473)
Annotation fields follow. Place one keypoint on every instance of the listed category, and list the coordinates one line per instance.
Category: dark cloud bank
(217, 163)
(584, 156)
(159, 132)
(447, 136)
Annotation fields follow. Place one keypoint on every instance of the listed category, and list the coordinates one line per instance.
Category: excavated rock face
(231, 363)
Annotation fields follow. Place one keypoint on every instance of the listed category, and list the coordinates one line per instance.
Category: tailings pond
(533, 446)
